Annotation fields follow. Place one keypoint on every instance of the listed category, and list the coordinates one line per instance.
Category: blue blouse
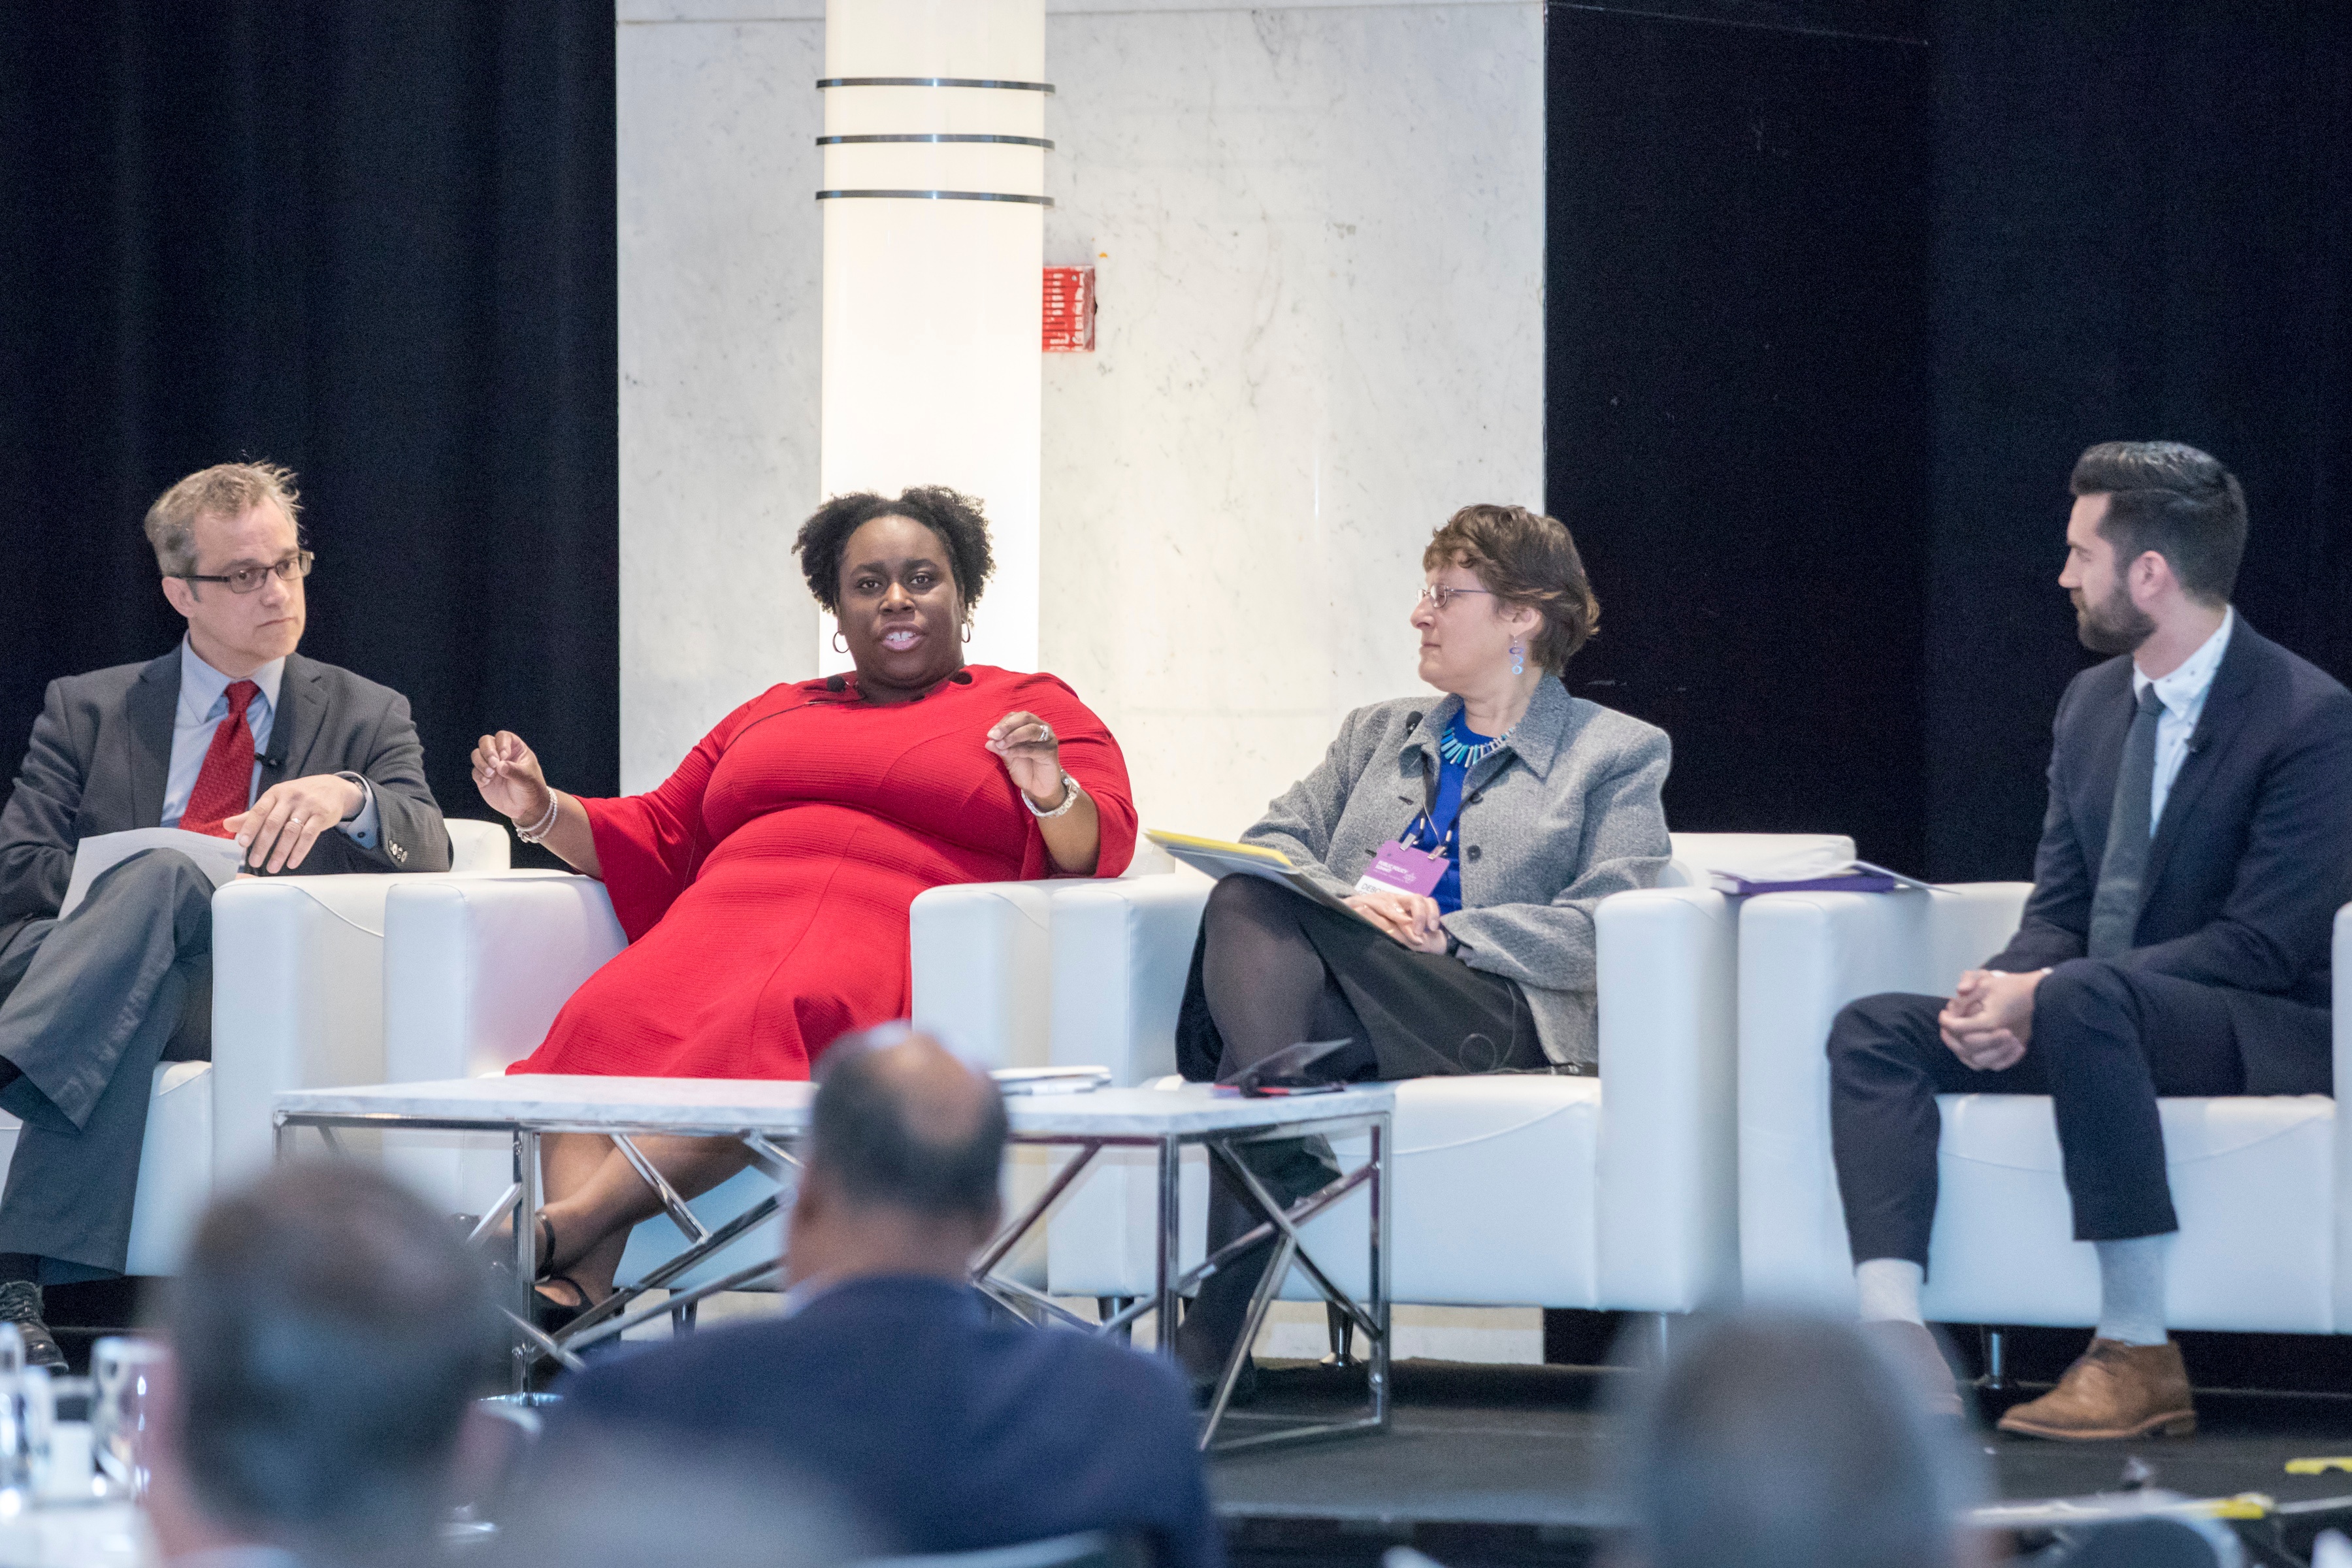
(1437, 827)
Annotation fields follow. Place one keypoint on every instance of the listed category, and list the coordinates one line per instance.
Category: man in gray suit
(308, 767)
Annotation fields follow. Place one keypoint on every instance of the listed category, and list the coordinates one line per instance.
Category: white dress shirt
(203, 703)
(2183, 694)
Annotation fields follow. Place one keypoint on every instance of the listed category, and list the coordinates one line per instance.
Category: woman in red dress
(765, 885)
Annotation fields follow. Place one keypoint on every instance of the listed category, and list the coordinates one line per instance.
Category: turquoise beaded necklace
(1454, 749)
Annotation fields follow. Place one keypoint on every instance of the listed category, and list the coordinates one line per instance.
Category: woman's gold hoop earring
(839, 645)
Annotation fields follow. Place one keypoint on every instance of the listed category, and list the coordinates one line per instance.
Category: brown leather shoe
(2113, 1390)
(1913, 1349)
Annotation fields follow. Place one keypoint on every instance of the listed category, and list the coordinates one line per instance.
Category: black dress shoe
(20, 1303)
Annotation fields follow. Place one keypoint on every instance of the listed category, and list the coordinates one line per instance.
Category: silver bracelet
(545, 825)
(1070, 792)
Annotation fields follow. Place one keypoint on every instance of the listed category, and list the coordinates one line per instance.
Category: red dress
(764, 887)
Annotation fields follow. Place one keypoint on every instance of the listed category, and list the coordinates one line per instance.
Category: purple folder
(1843, 882)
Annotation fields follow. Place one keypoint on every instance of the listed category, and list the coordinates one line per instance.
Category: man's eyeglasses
(249, 579)
(1437, 593)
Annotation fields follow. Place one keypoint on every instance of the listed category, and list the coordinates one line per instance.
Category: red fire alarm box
(1069, 310)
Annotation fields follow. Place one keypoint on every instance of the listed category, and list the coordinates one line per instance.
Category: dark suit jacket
(101, 752)
(2252, 858)
(949, 1432)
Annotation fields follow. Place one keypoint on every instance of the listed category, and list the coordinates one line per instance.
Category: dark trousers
(2107, 1042)
(92, 1003)
(1272, 969)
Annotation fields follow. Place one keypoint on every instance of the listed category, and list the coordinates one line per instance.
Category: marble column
(933, 199)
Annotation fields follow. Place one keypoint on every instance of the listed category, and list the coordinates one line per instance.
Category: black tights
(1268, 987)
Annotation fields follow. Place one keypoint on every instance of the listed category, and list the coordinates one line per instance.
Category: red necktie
(225, 788)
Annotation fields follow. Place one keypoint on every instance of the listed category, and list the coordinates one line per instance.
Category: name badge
(1400, 868)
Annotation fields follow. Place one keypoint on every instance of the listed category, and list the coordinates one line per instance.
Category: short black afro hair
(955, 518)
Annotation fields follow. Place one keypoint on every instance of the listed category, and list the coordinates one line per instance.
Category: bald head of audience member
(901, 1175)
(1782, 1441)
(329, 1332)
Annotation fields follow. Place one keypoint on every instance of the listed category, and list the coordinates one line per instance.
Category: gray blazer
(101, 750)
(1564, 815)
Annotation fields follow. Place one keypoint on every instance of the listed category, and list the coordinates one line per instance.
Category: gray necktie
(2115, 909)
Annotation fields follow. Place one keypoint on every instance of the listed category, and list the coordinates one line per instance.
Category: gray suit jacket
(101, 750)
(1564, 815)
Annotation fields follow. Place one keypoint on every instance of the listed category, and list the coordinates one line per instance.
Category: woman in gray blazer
(1474, 833)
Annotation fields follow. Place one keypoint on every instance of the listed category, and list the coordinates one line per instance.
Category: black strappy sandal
(550, 1316)
(499, 1249)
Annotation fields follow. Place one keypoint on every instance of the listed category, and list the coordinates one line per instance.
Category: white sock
(2131, 1290)
(1890, 1290)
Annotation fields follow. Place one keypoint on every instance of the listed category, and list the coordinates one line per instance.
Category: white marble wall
(719, 304)
(1318, 235)
(1319, 238)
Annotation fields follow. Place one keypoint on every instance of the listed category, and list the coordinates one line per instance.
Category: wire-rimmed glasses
(1439, 594)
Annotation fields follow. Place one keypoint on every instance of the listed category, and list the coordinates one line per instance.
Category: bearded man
(2196, 846)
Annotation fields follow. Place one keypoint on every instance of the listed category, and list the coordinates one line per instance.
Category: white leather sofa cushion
(981, 965)
(475, 970)
(1764, 856)
(2253, 1180)
(477, 847)
(1509, 1189)
(1492, 1191)
(1490, 1180)
(175, 1179)
(2258, 1181)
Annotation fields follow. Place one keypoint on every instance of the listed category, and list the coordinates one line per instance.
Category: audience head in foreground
(327, 1334)
(902, 1167)
(1779, 1440)
(888, 1379)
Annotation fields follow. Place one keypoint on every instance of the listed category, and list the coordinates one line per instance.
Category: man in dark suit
(2195, 851)
(308, 767)
(886, 1379)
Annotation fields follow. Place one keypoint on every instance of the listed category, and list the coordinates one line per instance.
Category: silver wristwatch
(1070, 792)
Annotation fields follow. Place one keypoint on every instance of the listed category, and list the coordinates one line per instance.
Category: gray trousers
(92, 1003)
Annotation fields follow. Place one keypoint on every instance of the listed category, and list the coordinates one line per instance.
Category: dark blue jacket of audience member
(949, 1431)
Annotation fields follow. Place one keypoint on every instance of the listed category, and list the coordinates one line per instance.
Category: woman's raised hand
(507, 773)
(1032, 755)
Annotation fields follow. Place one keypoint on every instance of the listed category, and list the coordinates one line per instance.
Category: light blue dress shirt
(2183, 694)
(203, 703)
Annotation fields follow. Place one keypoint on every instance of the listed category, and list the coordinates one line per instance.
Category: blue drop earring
(1518, 658)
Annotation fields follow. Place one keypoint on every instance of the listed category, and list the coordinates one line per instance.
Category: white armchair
(2263, 1184)
(475, 969)
(297, 983)
(1617, 1192)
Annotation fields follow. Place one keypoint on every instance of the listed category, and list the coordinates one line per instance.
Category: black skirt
(1424, 1014)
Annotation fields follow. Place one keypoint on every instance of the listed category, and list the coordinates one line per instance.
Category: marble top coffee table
(771, 1119)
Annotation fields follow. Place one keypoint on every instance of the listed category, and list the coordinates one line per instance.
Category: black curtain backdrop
(1838, 290)
(375, 243)
(1736, 397)
(2143, 229)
